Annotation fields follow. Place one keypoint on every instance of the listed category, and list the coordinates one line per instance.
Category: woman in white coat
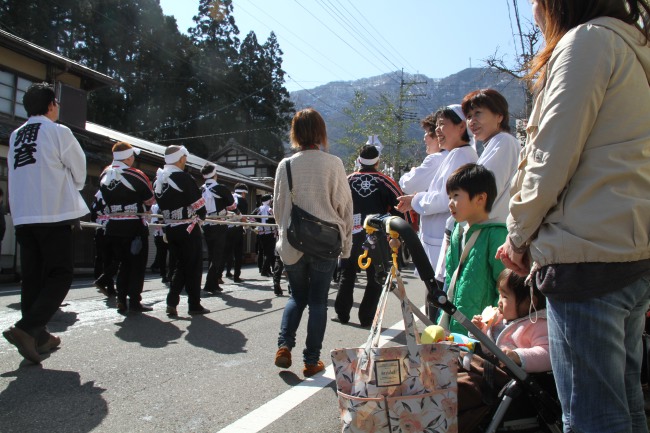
(488, 120)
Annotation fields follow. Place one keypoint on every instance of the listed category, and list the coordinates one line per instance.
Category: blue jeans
(310, 279)
(596, 354)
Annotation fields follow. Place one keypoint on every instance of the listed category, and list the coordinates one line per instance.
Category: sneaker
(52, 343)
(198, 310)
(312, 369)
(277, 289)
(283, 357)
(171, 311)
(25, 343)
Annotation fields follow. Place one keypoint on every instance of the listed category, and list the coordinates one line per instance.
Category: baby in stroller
(518, 327)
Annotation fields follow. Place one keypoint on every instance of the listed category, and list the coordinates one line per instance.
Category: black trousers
(235, 248)
(187, 248)
(278, 268)
(106, 265)
(46, 266)
(215, 238)
(345, 295)
(267, 249)
(132, 268)
(161, 255)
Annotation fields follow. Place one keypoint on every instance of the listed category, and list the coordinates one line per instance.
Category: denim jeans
(310, 279)
(596, 354)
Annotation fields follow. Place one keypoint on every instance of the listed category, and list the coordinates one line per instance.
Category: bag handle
(444, 319)
(407, 317)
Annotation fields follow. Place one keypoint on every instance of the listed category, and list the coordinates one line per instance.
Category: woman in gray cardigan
(320, 187)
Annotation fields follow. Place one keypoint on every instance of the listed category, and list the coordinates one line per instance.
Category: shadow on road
(209, 334)
(42, 400)
(248, 305)
(147, 330)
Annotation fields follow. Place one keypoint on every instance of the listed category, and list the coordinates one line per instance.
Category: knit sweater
(320, 187)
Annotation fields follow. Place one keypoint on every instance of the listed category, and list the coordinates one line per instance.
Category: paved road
(150, 373)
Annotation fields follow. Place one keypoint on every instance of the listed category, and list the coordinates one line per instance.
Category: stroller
(522, 391)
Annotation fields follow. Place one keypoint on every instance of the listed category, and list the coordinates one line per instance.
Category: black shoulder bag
(310, 234)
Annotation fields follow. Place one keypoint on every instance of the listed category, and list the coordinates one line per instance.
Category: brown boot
(283, 357)
(312, 369)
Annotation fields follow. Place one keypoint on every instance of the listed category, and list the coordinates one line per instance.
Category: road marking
(271, 411)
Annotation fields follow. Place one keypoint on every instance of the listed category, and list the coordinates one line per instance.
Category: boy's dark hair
(474, 179)
(517, 284)
(37, 99)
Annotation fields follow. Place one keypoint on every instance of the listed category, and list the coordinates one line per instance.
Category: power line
(376, 31)
(349, 26)
(216, 134)
(334, 33)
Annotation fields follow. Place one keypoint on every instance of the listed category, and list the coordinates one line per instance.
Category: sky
(344, 40)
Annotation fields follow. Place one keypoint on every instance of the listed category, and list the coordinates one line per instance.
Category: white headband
(458, 109)
(240, 190)
(176, 156)
(121, 155)
(364, 161)
(211, 174)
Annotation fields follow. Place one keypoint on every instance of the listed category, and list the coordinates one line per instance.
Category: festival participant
(47, 168)
(234, 251)
(183, 209)
(266, 236)
(105, 267)
(372, 193)
(579, 220)
(160, 261)
(126, 191)
(489, 121)
(217, 201)
(324, 192)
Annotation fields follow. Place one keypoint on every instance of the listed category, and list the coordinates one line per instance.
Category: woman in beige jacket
(320, 187)
(580, 210)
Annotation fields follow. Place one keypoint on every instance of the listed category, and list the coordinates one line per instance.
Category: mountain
(427, 96)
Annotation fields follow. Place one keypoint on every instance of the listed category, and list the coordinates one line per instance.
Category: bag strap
(289, 179)
(444, 319)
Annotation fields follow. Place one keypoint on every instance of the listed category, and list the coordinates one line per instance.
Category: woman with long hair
(579, 220)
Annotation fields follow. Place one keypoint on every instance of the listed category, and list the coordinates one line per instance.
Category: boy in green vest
(472, 191)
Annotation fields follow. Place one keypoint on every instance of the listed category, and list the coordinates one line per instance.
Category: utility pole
(404, 115)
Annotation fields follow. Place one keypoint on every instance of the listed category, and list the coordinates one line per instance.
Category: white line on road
(271, 411)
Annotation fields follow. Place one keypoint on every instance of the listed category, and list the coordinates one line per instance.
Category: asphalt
(151, 373)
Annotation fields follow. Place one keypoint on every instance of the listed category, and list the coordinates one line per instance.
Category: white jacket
(47, 168)
(433, 204)
(500, 156)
